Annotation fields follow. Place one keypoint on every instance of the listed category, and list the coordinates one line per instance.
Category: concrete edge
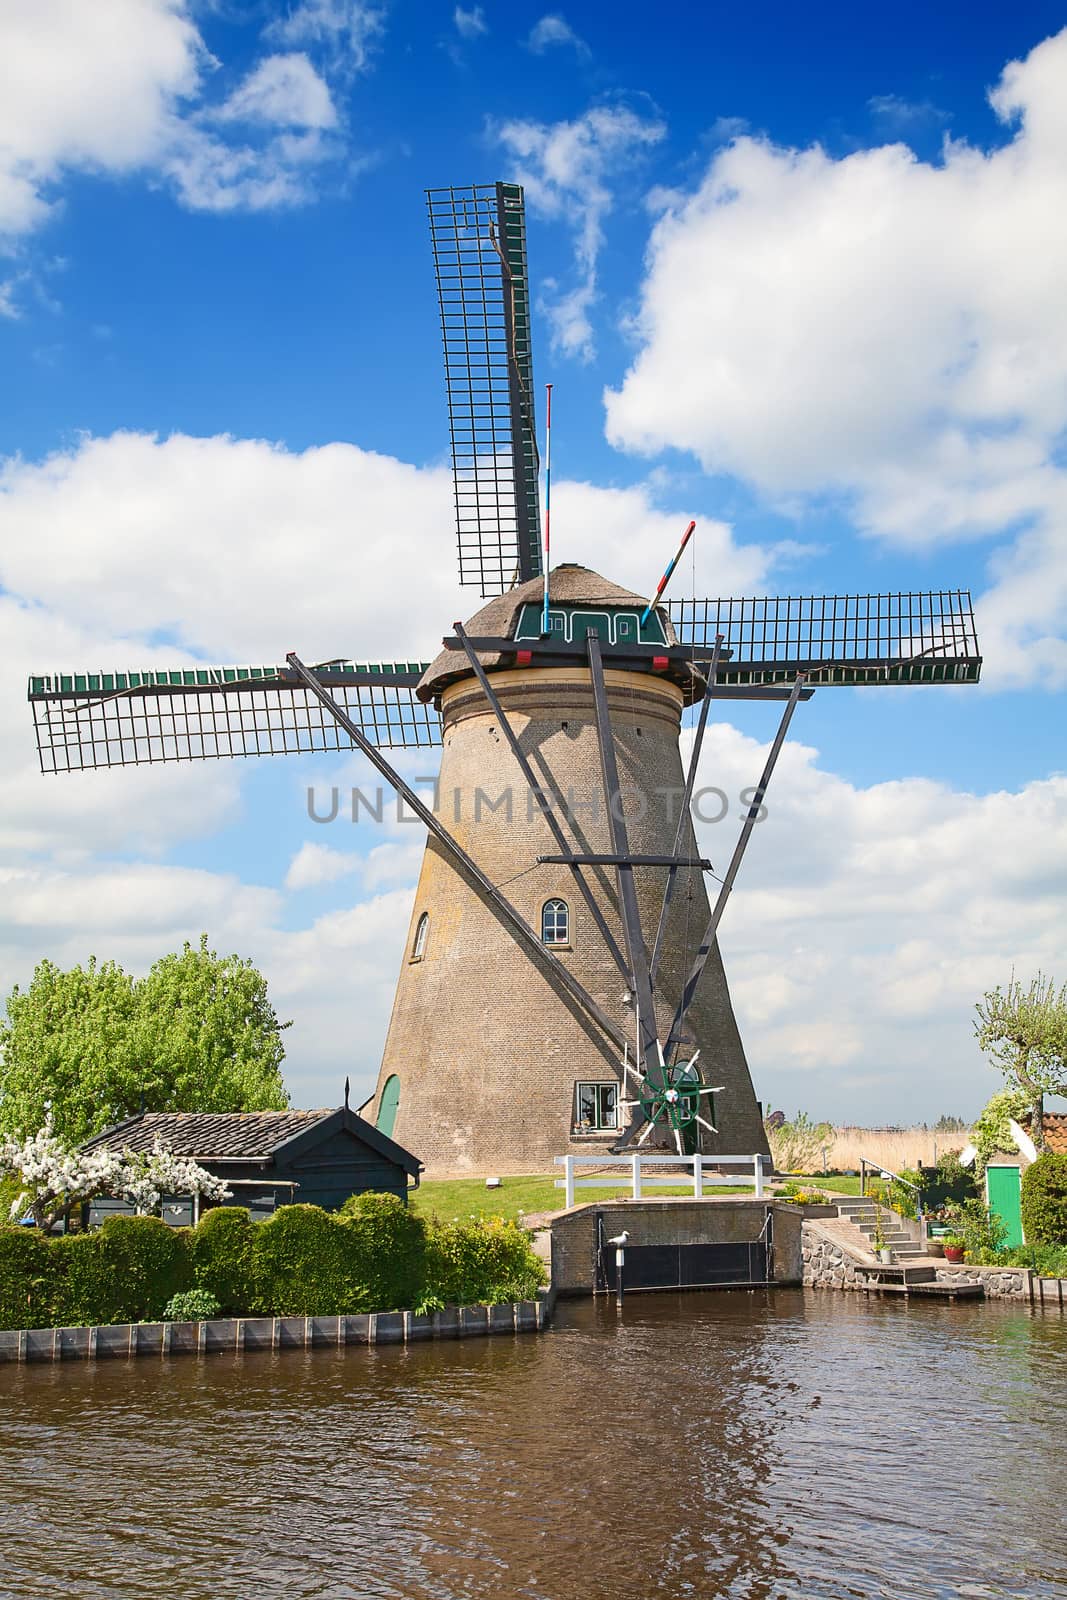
(122, 1340)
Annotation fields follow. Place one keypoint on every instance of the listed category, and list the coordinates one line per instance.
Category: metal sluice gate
(651, 1267)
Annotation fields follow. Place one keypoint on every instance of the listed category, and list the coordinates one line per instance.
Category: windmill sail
(479, 248)
(837, 639)
(119, 719)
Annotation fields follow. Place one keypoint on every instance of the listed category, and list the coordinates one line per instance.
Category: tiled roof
(236, 1134)
(1055, 1130)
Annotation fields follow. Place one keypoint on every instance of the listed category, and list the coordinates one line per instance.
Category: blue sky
(799, 279)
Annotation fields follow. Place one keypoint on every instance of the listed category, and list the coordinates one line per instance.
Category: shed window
(597, 1107)
(555, 922)
(421, 931)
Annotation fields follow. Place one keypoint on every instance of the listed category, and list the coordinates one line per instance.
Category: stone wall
(829, 1265)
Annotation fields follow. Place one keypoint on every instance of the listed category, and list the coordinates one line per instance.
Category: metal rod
(631, 914)
(697, 969)
(633, 861)
(684, 819)
(548, 497)
(568, 858)
(519, 928)
(666, 578)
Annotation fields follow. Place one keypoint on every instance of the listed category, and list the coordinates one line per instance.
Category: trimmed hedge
(223, 1249)
(1044, 1200)
(375, 1255)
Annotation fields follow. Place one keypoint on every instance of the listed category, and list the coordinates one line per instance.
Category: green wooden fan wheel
(674, 1101)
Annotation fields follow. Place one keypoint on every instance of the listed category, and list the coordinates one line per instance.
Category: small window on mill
(421, 931)
(555, 922)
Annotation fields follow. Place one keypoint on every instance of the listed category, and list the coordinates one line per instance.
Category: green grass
(836, 1185)
(462, 1197)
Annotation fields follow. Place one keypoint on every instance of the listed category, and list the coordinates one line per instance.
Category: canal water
(793, 1444)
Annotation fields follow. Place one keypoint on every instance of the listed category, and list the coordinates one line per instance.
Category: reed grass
(893, 1149)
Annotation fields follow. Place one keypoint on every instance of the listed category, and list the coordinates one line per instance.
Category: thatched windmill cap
(568, 585)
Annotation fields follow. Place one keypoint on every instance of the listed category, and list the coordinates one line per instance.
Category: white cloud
(282, 91)
(264, 532)
(136, 96)
(470, 24)
(316, 864)
(554, 29)
(882, 329)
(861, 932)
(346, 31)
(903, 116)
(566, 169)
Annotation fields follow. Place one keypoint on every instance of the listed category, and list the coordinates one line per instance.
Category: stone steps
(863, 1215)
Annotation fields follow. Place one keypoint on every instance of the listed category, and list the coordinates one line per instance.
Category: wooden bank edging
(233, 1334)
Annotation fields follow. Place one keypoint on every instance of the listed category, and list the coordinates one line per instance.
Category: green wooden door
(1002, 1190)
(387, 1106)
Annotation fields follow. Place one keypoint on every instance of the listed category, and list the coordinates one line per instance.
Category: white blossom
(55, 1179)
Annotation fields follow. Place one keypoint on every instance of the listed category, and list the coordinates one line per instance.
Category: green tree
(1024, 1031)
(208, 1036)
(197, 1033)
(68, 1042)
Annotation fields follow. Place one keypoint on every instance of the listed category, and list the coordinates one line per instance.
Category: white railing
(701, 1165)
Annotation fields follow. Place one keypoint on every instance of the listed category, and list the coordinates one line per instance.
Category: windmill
(561, 987)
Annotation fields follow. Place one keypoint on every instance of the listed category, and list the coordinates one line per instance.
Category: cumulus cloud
(282, 91)
(346, 31)
(885, 330)
(470, 24)
(142, 95)
(260, 522)
(567, 169)
(316, 864)
(861, 933)
(551, 30)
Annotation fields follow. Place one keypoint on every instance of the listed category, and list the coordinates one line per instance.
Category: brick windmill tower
(561, 987)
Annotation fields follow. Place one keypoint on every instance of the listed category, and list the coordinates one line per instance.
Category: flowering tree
(146, 1178)
(55, 1179)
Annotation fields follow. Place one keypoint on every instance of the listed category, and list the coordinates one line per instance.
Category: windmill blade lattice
(850, 639)
(119, 719)
(479, 248)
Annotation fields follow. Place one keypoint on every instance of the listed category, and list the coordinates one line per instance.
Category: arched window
(422, 928)
(555, 922)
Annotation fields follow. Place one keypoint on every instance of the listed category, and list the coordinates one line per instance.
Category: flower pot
(934, 1247)
(885, 1255)
(954, 1253)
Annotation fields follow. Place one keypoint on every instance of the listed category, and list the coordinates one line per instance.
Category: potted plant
(879, 1242)
(953, 1247)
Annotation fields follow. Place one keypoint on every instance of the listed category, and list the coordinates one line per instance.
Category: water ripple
(798, 1446)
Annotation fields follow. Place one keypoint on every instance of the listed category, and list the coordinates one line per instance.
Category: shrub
(308, 1263)
(980, 1230)
(224, 1257)
(141, 1263)
(192, 1305)
(391, 1243)
(1047, 1260)
(27, 1274)
(1044, 1200)
(991, 1131)
(484, 1262)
